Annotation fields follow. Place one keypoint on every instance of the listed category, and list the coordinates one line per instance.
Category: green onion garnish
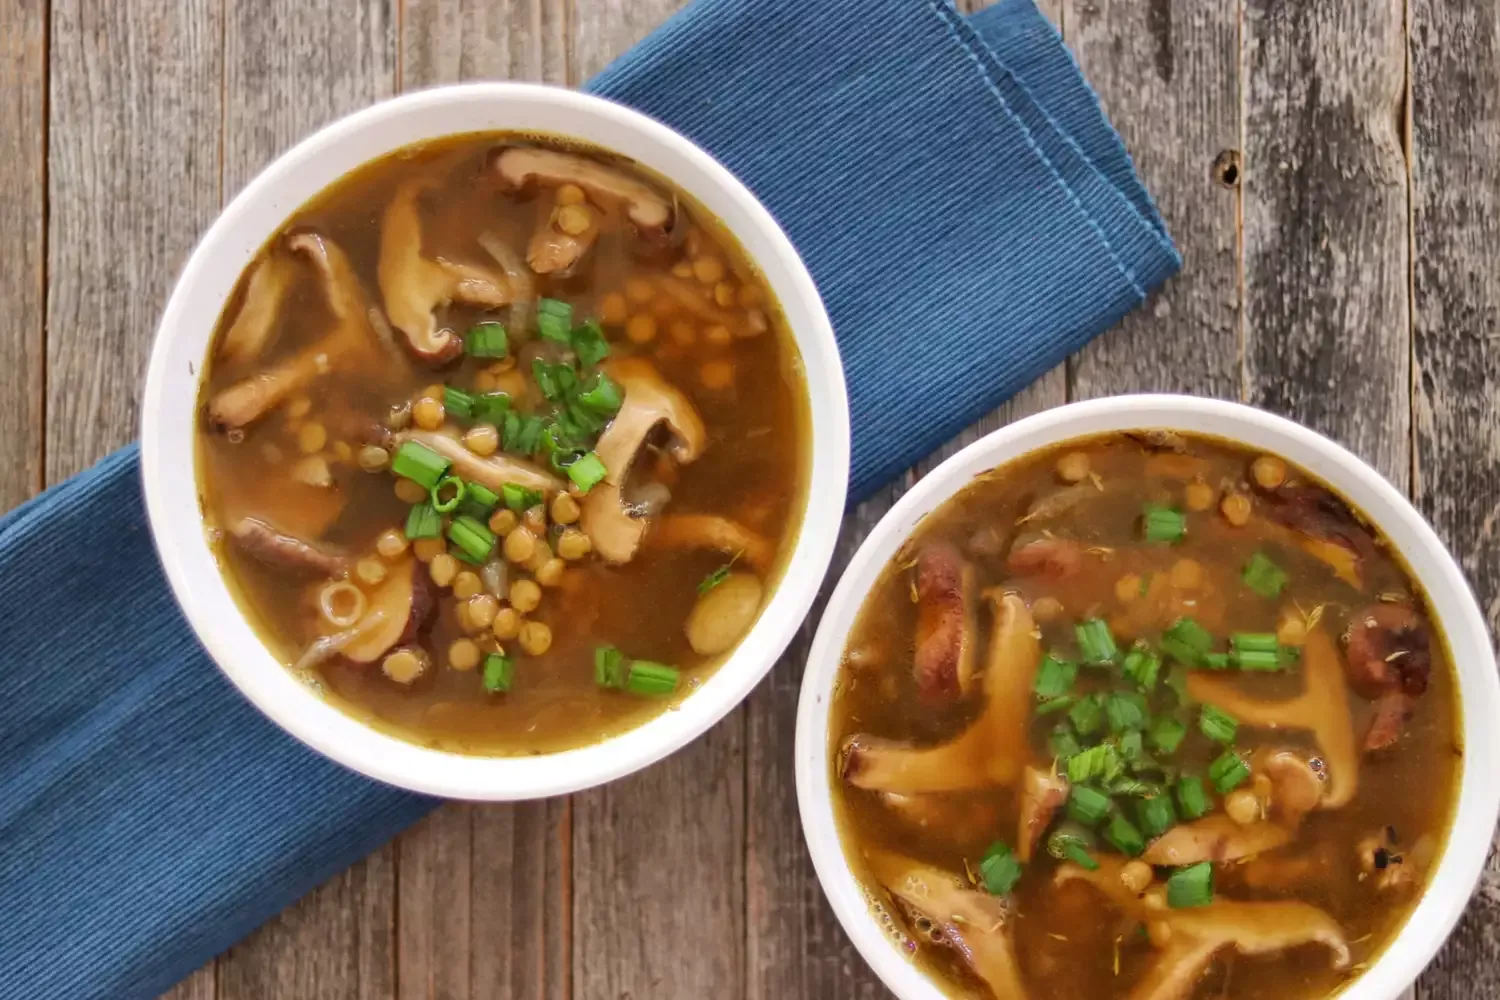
(609, 667)
(1255, 660)
(1096, 641)
(1163, 524)
(1133, 786)
(601, 395)
(1063, 744)
(499, 673)
(472, 538)
(1054, 677)
(1217, 724)
(420, 464)
(479, 501)
(554, 320)
(1155, 815)
(650, 678)
(422, 521)
(554, 381)
(1253, 642)
(1177, 683)
(1132, 748)
(1191, 886)
(1192, 800)
(587, 471)
(1142, 666)
(528, 434)
(1087, 715)
(1101, 762)
(1216, 661)
(1087, 805)
(520, 498)
(1072, 842)
(490, 407)
(448, 494)
(457, 403)
(715, 578)
(1263, 576)
(1125, 711)
(1122, 833)
(1166, 734)
(1228, 772)
(486, 340)
(1053, 705)
(1186, 642)
(999, 870)
(589, 343)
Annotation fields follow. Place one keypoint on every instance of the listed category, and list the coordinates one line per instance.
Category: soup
(503, 443)
(1145, 716)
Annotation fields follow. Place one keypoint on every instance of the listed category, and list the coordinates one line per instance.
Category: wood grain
(446, 41)
(1455, 147)
(23, 183)
(289, 68)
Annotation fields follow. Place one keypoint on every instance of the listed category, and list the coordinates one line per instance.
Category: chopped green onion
(499, 673)
(650, 678)
(1167, 734)
(420, 464)
(1087, 805)
(1191, 886)
(999, 870)
(528, 436)
(472, 538)
(589, 343)
(1256, 660)
(601, 395)
(1063, 744)
(554, 320)
(1125, 711)
(1102, 761)
(1132, 747)
(486, 340)
(1096, 641)
(1228, 772)
(1054, 677)
(1072, 842)
(554, 381)
(1133, 786)
(1053, 705)
(454, 487)
(1087, 715)
(1191, 798)
(491, 407)
(1163, 524)
(1177, 683)
(457, 403)
(1263, 576)
(1186, 641)
(713, 579)
(479, 500)
(1216, 661)
(1123, 834)
(1253, 642)
(1217, 724)
(520, 498)
(1142, 666)
(1155, 815)
(422, 521)
(587, 471)
(609, 667)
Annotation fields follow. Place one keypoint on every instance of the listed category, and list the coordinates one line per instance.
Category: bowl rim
(252, 217)
(1472, 823)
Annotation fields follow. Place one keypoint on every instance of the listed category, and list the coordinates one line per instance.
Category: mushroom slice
(1214, 838)
(1389, 647)
(1045, 556)
(944, 660)
(553, 251)
(993, 749)
(1296, 787)
(1322, 709)
(493, 472)
(955, 819)
(1107, 879)
(972, 923)
(250, 398)
(1042, 794)
(709, 531)
(414, 287)
(405, 602)
(1392, 712)
(650, 402)
(251, 333)
(650, 213)
(1325, 528)
(284, 551)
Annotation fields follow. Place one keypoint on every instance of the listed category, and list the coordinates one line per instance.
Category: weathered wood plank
(133, 178)
(1166, 74)
(1455, 159)
(23, 182)
(445, 41)
(291, 67)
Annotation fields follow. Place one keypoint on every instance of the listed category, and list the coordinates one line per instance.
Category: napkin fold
(970, 218)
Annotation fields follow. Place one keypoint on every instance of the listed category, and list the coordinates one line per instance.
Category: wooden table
(1330, 170)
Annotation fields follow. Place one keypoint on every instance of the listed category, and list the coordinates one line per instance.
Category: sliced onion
(494, 575)
(522, 283)
(322, 649)
(648, 499)
(341, 591)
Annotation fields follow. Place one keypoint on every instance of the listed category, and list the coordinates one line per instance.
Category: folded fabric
(970, 218)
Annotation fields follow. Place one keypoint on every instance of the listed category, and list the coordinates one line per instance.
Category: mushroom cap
(650, 213)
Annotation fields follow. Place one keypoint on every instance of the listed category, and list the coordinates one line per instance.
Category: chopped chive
(601, 395)
(1132, 747)
(491, 407)
(999, 870)
(420, 464)
(1102, 761)
(650, 678)
(529, 434)
(1054, 705)
(554, 380)
(1191, 798)
(1166, 734)
(499, 673)
(1263, 576)
(1155, 815)
(486, 340)
(609, 667)
(455, 490)
(479, 501)
(1256, 660)
(1087, 805)
(1063, 744)
(1087, 715)
(1142, 666)
(554, 320)
(1163, 524)
(1186, 642)
(1072, 842)
(1096, 641)
(1191, 886)
(1054, 677)
(1228, 772)
(520, 498)
(1217, 724)
(457, 403)
(1133, 786)
(422, 521)
(589, 343)
(587, 471)
(1125, 711)
(1123, 834)
(472, 538)
(1253, 642)
(1216, 661)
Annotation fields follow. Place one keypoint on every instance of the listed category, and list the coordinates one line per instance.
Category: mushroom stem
(493, 472)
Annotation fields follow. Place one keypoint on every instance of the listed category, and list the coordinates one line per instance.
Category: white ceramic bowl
(182, 343)
(1479, 797)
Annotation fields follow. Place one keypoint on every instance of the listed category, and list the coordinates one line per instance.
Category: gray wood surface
(1346, 276)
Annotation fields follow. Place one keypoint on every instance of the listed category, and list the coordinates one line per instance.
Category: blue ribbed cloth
(970, 218)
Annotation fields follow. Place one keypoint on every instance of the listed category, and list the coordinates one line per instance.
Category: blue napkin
(970, 218)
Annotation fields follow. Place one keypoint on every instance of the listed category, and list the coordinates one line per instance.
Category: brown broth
(1070, 942)
(752, 470)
